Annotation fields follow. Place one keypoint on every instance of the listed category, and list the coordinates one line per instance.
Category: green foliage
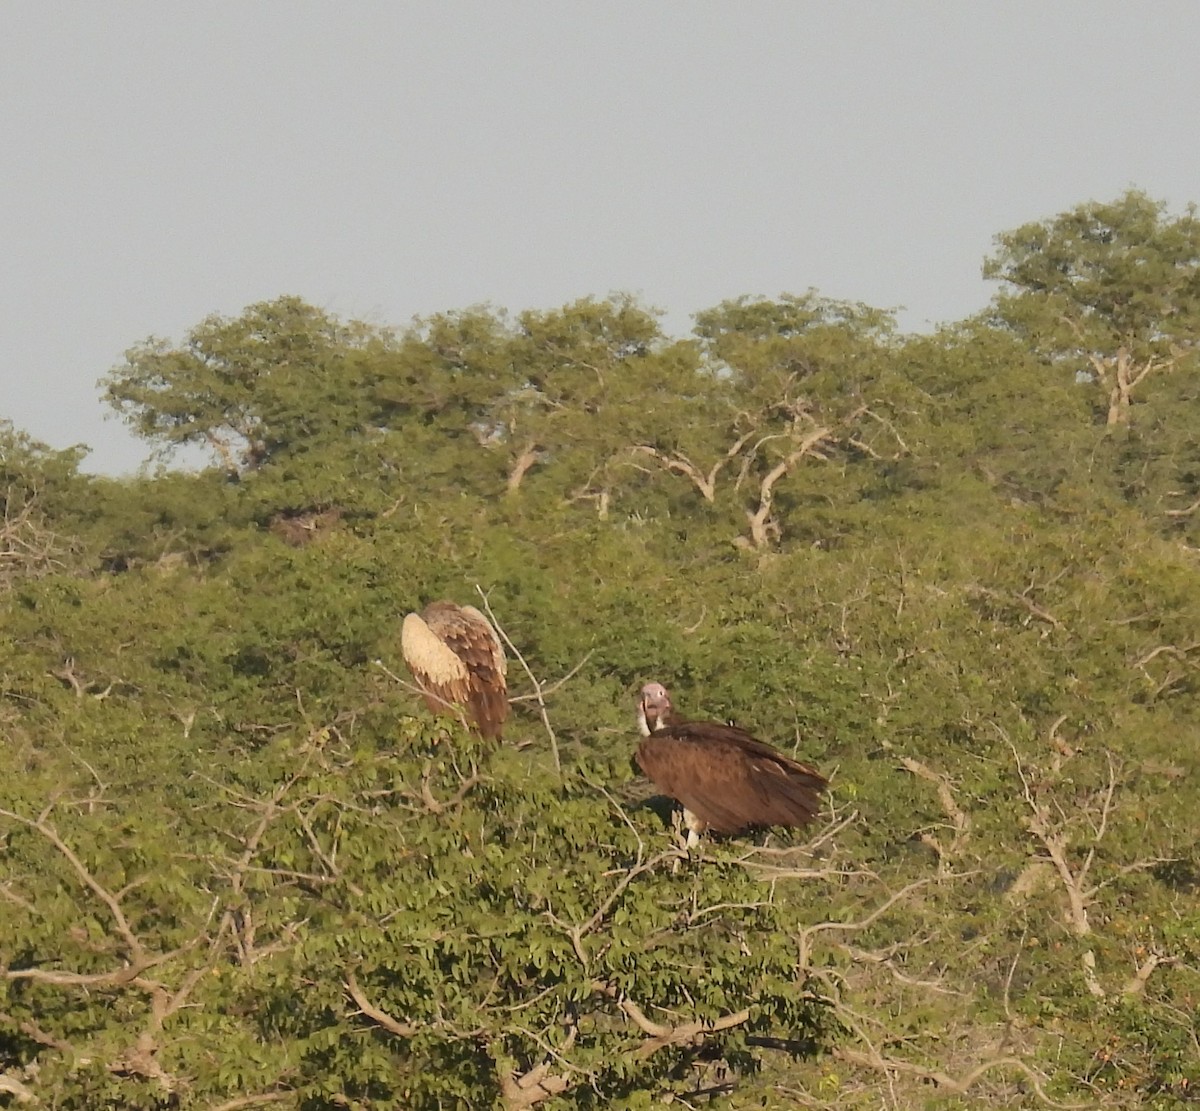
(1102, 275)
(238, 861)
(38, 485)
(274, 380)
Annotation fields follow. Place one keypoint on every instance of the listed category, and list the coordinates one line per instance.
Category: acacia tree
(355, 912)
(270, 381)
(1111, 289)
(801, 375)
(39, 490)
(575, 364)
(598, 378)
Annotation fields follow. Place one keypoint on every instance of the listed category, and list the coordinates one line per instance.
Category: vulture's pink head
(654, 708)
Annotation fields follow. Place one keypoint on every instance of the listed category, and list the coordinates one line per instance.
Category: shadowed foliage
(241, 865)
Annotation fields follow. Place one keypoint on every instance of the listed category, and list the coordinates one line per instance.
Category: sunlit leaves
(975, 609)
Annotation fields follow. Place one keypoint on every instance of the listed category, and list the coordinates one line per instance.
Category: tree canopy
(242, 866)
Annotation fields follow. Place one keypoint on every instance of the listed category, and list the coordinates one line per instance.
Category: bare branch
(766, 491)
(660, 1035)
(223, 452)
(558, 683)
(259, 1100)
(579, 931)
(526, 459)
(538, 693)
(379, 1017)
(808, 933)
(35, 1033)
(1184, 512)
(869, 412)
(16, 1089)
(960, 822)
(954, 1085)
(28, 549)
(1022, 600)
(435, 806)
(126, 974)
(537, 1084)
(450, 707)
(133, 945)
(1170, 649)
(681, 464)
(1136, 984)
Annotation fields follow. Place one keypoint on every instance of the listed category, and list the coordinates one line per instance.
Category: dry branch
(959, 821)
(536, 1084)
(28, 549)
(136, 959)
(1056, 843)
(379, 1017)
(660, 1035)
(532, 1087)
(1186, 511)
(806, 936)
(1023, 600)
(453, 709)
(1136, 983)
(1119, 375)
(578, 931)
(15, 1088)
(706, 483)
(525, 461)
(759, 518)
(554, 687)
(259, 1100)
(959, 1085)
(35, 1033)
(538, 693)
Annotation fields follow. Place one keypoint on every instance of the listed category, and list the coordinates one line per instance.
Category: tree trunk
(759, 520)
(524, 462)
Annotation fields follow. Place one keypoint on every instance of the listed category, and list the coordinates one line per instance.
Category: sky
(384, 160)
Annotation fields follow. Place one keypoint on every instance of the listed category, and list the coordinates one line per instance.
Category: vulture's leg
(695, 828)
(677, 819)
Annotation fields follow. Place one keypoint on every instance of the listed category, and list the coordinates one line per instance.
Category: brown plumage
(725, 779)
(458, 662)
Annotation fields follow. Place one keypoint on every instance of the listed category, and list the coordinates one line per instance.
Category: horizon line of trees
(241, 866)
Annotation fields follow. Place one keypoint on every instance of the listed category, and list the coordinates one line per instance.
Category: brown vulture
(458, 662)
(725, 779)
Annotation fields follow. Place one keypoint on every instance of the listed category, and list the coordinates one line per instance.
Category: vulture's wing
(729, 779)
(437, 669)
(479, 678)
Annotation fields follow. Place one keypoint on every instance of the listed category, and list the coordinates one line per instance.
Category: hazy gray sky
(384, 159)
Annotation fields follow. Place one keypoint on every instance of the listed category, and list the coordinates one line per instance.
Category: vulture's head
(654, 708)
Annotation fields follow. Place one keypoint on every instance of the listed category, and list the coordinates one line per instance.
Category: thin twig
(557, 682)
(538, 692)
(450, 706)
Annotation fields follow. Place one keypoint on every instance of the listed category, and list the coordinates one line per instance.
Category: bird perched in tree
(457, 659)
(725, 779)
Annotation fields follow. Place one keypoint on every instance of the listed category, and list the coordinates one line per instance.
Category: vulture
(725, 779)
(458, 662)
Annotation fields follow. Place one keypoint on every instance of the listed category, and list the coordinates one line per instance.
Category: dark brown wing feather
(728, 778)
(469, 635)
